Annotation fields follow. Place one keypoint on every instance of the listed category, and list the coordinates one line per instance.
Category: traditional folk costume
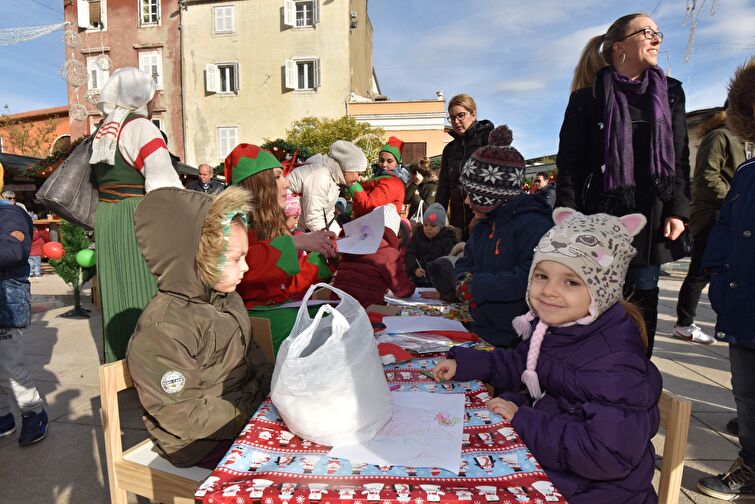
(276, 273)
(129, 159)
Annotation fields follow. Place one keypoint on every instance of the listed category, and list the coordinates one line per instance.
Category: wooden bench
(139, 470)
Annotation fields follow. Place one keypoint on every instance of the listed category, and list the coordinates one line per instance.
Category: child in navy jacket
(730, 258)
(492, 274)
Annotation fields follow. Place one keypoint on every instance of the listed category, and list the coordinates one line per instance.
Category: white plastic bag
(418, 216)
(328, 384)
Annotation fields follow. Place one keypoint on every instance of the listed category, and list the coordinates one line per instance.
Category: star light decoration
(103, 62)
(74, 73)
(93, 96)
(71, 39)
(78, 112)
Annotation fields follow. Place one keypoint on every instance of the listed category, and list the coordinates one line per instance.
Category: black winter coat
(455, 154)
(425, 191)
(580, 177)
(424, 250)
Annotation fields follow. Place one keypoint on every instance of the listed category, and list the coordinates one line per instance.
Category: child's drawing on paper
(425, 431)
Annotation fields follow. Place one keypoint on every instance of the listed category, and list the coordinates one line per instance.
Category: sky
(515, 57)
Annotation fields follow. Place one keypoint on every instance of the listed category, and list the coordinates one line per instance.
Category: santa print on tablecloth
(331, 479)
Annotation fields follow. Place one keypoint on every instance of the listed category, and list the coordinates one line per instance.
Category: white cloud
(521, 85)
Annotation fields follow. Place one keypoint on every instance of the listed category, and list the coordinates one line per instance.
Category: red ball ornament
(53, 250)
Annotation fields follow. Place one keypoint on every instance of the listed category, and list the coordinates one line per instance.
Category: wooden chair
(139, 470)
(675, 414)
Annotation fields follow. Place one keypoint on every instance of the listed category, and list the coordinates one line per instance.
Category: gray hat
(435, 215)
(349, 157)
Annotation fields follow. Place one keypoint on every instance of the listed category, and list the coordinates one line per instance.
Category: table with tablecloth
(269, 464)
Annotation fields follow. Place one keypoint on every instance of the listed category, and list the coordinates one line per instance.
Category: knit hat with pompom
(494, 173)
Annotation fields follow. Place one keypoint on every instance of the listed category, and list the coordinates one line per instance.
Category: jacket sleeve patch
(173, 382)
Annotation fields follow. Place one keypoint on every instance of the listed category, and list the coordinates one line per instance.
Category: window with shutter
(301, 13)
(95, 14)
(227, 139)
(229, 77)
(212, 78)
(91, 14)
(224, 19)
(303, 73)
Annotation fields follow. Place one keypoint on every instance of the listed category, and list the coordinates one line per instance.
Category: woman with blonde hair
(623, 148)
(469, 134)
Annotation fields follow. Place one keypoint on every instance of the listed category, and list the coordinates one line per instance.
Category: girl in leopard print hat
(578, 389)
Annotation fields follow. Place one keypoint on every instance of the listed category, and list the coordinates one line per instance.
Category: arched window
(62, 142)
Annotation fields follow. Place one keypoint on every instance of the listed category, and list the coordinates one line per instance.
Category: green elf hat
(395, 147)
(246, 160)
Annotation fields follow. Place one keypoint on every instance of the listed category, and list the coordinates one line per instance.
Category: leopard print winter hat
(598, 248)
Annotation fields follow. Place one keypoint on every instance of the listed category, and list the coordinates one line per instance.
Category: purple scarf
(618, 178)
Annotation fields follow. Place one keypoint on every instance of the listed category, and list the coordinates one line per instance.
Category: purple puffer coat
(591, 431)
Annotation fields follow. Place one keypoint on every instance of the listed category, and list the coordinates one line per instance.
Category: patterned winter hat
(494, 173)
(435, 215)
(395, 147)
(293, 207)
(246, 160)
(598, 248)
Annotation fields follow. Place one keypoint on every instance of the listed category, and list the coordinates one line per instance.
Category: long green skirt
(126, 284)
(281, 321)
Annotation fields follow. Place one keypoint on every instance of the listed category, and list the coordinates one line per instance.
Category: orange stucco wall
(38, 118)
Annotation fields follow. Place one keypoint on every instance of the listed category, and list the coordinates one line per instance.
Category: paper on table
(420, 323)
(425, 431)
(363, 235)
(415, 300)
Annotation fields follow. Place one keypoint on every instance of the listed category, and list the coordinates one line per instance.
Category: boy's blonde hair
(229, 207)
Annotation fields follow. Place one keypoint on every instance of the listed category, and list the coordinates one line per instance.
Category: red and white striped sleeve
(142, 146)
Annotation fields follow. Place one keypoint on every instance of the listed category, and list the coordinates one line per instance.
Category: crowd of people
(569, 297)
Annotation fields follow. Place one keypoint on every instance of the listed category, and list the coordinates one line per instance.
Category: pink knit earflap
(529, 377)
(523, 324)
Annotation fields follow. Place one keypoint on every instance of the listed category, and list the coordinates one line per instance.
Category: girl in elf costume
(276, 272)
(388, 185)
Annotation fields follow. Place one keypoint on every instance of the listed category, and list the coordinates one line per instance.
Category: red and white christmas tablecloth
(269, 464)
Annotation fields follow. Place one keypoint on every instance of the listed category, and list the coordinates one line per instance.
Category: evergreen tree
(74, 240)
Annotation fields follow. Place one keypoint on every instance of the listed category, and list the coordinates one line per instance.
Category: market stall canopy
(17, 165)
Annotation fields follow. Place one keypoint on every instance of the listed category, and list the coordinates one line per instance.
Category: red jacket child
(389, 186)
(38, 240)
(368, 277)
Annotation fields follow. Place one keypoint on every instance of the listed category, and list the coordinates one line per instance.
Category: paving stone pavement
(63, 356)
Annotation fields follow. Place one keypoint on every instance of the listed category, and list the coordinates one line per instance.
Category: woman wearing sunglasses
(623, 148)
(468, 134)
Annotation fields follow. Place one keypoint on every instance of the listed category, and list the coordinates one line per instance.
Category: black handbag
(69, 191)
(681, 247)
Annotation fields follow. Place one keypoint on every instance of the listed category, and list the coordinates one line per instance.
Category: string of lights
(11, 36)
